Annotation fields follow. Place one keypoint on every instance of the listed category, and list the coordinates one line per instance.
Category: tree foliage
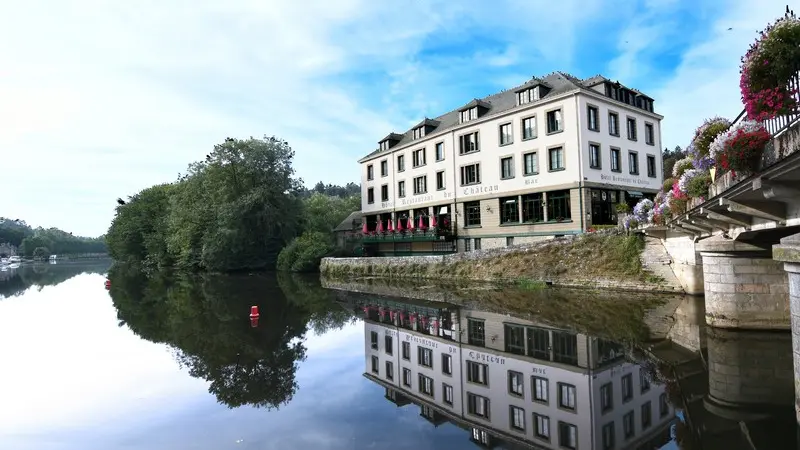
(670, 158)
(304, 253)
(205, 319)
(15, 282)
(26, 239)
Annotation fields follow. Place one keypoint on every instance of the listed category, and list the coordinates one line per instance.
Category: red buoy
(254, 322)
(254, 312)
(108, 284)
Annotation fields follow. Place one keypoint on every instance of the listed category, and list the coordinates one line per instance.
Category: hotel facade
(550, 157)
(512, 382)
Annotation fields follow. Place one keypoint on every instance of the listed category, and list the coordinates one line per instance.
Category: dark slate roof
(425, 121)
(558, 83)
(393, 136)
(352, 222)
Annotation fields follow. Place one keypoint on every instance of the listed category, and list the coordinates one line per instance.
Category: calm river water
(177, 364)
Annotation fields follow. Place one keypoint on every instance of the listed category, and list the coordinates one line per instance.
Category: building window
(663, 406)
(401, 163)
(606, 397)
(566, 396)
(594, 156)
(554, 122)
(644, 381)
(514, 339)
(425, 385)
(447, 394)
(608, 436)
(406, 351)
(506, 134)
(401, 189)
(370, 195)
(556, 158)
(627, 388)
(651, 166)
(440, 180)
(477, 405)
(472, 215)
(516, 383)
(384, 168)
(509, 210)
(507, 168)
(407, 377)
(633, 163)
(388, 344)
(481, 437)
(509, 241)
(418, 157)
(627, 425)
(469, 114)
(385, 193)
(567, 435)
(468, 143)
(631, 128)
(646, 418)
(389, 370)
(517, 418)
(477, 373)
(541, 388)
(541, 427)
(565, 347)
(527, 96)
(613, 124)
(591, 117)
(476, 243)
(530, 163)
(370, 172)
(538, 341)
(558, 207)
(439, 151)
(529, 128)
(532, 208)
(615, 160)
(418, 132)
(375, 365)
(447, 364)
(471, 174)
(649, 135)
(421, 185)
(374, 340)
(425, 357)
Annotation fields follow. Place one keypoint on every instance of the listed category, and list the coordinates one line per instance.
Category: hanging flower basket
(768, 66)
(740, 148)
(703, 137)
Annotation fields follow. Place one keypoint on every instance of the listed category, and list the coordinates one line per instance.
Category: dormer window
(529, 95)
(384, 146)
(418, 133)
(469, 114)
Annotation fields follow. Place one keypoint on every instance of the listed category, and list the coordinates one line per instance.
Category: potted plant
(698, 150)
(768, 66)
(741, 147)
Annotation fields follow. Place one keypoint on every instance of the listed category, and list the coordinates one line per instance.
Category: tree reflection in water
(204, 318)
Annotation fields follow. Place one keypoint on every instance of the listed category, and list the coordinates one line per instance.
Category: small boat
(14, 260)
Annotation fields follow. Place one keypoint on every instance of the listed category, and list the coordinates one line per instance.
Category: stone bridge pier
(788, 252)
(745, 288)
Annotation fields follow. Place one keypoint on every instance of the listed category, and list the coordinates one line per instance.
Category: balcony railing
(430, 234)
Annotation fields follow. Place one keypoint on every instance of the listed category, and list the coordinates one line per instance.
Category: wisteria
(641, 210)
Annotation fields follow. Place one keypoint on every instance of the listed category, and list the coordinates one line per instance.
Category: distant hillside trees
(26, 240)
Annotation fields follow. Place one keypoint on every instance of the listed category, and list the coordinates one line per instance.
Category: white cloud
(706, 83)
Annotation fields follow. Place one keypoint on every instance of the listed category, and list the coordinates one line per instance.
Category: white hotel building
(513, 383)
(550, 157)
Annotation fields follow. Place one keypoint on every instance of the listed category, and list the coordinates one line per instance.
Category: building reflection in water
(510, 382)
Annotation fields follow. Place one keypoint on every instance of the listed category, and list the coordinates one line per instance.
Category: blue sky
(99, 100)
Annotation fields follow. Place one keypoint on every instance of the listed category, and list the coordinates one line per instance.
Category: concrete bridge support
(744, 287)
(788, 252)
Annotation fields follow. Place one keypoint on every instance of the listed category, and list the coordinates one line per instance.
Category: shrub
(623, 208)
(303, 254)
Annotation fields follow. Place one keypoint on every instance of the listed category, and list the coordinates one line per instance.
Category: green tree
(41, 252)
(322, 212)
(670, 157)
(303, 254)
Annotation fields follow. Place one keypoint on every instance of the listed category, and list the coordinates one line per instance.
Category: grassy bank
(589, 260)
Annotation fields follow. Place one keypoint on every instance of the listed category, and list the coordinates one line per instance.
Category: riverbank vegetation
(589, 259)
(233, 211)
(16, 236)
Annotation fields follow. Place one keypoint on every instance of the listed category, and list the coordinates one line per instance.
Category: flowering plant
(682, 165)
(641, 209)
(767, 67)
(630, 222)
(698, 150)
(739, 149)
(686, 178)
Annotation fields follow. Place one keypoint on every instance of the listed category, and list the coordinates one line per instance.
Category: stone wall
(689, 327)
(687, 264)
